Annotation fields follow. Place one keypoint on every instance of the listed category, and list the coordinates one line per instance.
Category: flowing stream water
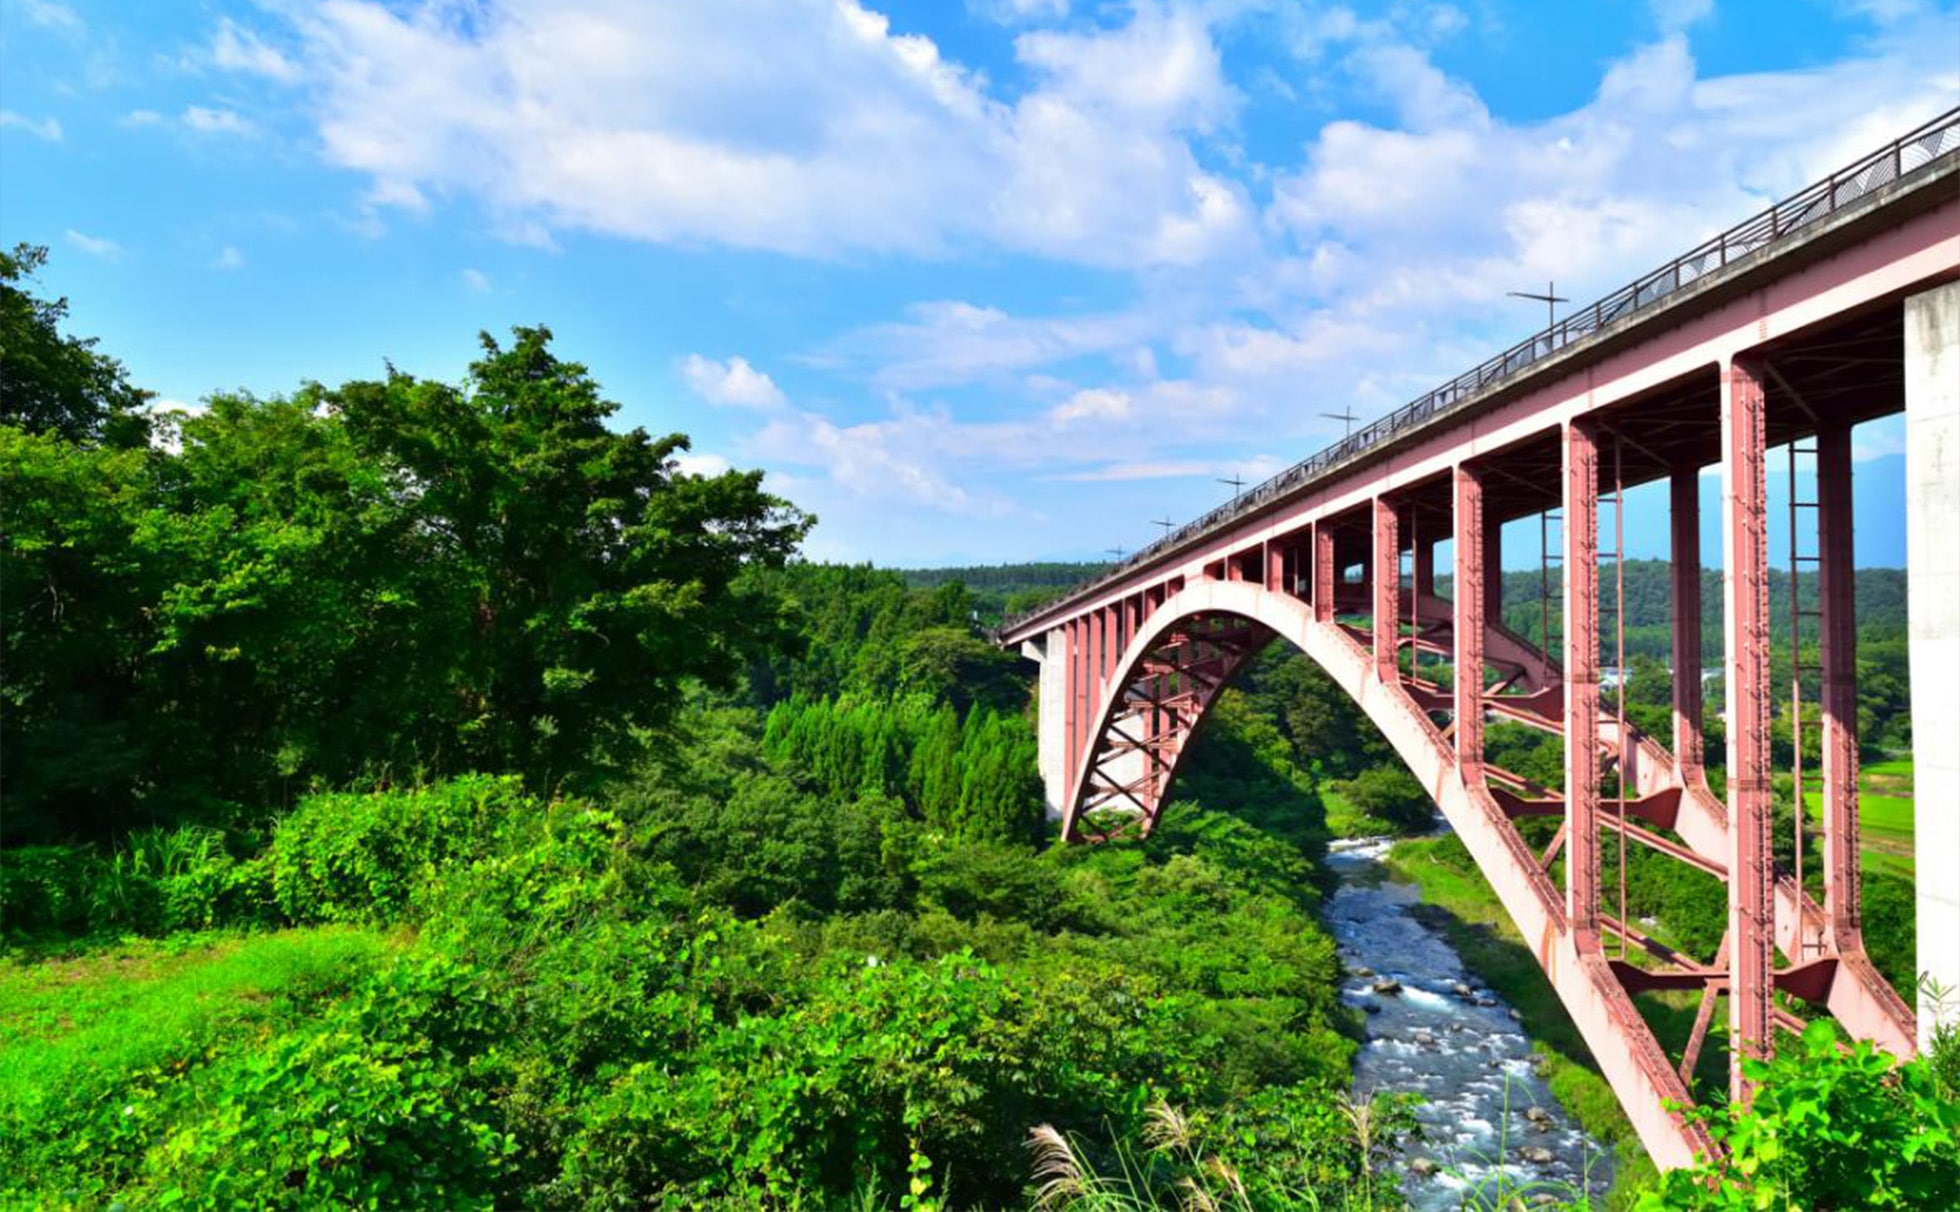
(1435, 1030)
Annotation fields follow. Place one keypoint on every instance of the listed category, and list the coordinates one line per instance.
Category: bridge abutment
(1052, 715)
(1932, 346)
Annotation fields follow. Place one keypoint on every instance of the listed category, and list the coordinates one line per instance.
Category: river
(1438, 1032)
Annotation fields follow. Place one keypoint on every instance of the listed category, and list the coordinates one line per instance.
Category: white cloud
(1096, 404)
(733, 382)
(709, 465)
(142, 117)
(1251, 471)
(216, 121)
(240, 50)
(1020, 12)
(43, 128)
(476, 280)
(1673, 15)
(229, 258)
(95, 246)
(896, 459)
(50, 14)
(760, 125)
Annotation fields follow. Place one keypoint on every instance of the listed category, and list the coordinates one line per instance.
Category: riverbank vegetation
(425, 795)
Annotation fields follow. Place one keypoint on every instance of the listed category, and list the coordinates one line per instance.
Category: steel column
(1581, 661)
(1684, 526)
(1323, 572)
(1275, 567)
(1387, 589)
(1468, 624)
(1745, 656)
(1838, 650)
(1494, 568)
(1423, 569)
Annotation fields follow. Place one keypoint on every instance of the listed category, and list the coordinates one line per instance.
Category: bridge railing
(1904, 155)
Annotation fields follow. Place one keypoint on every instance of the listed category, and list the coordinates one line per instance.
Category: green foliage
(103, 1049)
(1390, 794)
(1287, 1149)
(54, 384)
(1827, 1130)
(152, 882)
(360, 856)
(978, 780)
(397, 576)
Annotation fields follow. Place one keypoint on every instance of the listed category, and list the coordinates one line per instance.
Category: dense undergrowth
(578, 1006)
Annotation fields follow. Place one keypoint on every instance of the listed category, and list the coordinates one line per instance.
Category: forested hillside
(425, 795)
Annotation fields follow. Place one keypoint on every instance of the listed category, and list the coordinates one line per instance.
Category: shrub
(1392, 795)
(1827, 1130)
(45, 888)
(359, 857)
(155, 882)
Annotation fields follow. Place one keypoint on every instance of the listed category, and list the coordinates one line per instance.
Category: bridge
(1833, 307)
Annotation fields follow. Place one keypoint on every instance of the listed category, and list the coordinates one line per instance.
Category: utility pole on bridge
(1551, 299)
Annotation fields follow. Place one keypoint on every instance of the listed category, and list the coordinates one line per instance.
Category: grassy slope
(80, 1023)
(1885, 808)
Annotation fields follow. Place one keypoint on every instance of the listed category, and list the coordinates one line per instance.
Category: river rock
(1538, 1115)
(1517, 1016)
(1462, 990)
(1364, 973)
(1422, 1167)
(1537, 1155)
(1387, 987)
(1425, 1038)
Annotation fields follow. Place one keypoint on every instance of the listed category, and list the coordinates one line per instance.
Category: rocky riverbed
(1488, 1119)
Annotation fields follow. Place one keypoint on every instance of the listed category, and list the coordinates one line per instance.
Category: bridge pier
(1050, 651)
(1932, 348)
(1745, 657)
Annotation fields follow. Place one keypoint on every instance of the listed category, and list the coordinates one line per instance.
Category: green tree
(56, 384)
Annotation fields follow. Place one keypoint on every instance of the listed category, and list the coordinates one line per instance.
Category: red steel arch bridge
(1771, 340)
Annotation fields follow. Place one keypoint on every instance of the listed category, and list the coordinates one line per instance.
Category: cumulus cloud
(1245, 299)
(229, 258)
(760, 125)
(734, 382)
(94, 246)
(51, 14)
(207, 121)
(41, 128)
(476, 281)
(235, 48)
(709, 465)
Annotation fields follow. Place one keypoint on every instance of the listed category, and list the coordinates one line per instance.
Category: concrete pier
(1932, 333)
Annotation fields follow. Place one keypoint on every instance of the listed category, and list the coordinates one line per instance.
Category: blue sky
(974, 281)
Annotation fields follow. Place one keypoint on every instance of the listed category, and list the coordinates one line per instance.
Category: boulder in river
(1389, 987)
(1537, 1155)
(1364, 973)
(1462, 990)
(1538, 1115)
(1422, 1167)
